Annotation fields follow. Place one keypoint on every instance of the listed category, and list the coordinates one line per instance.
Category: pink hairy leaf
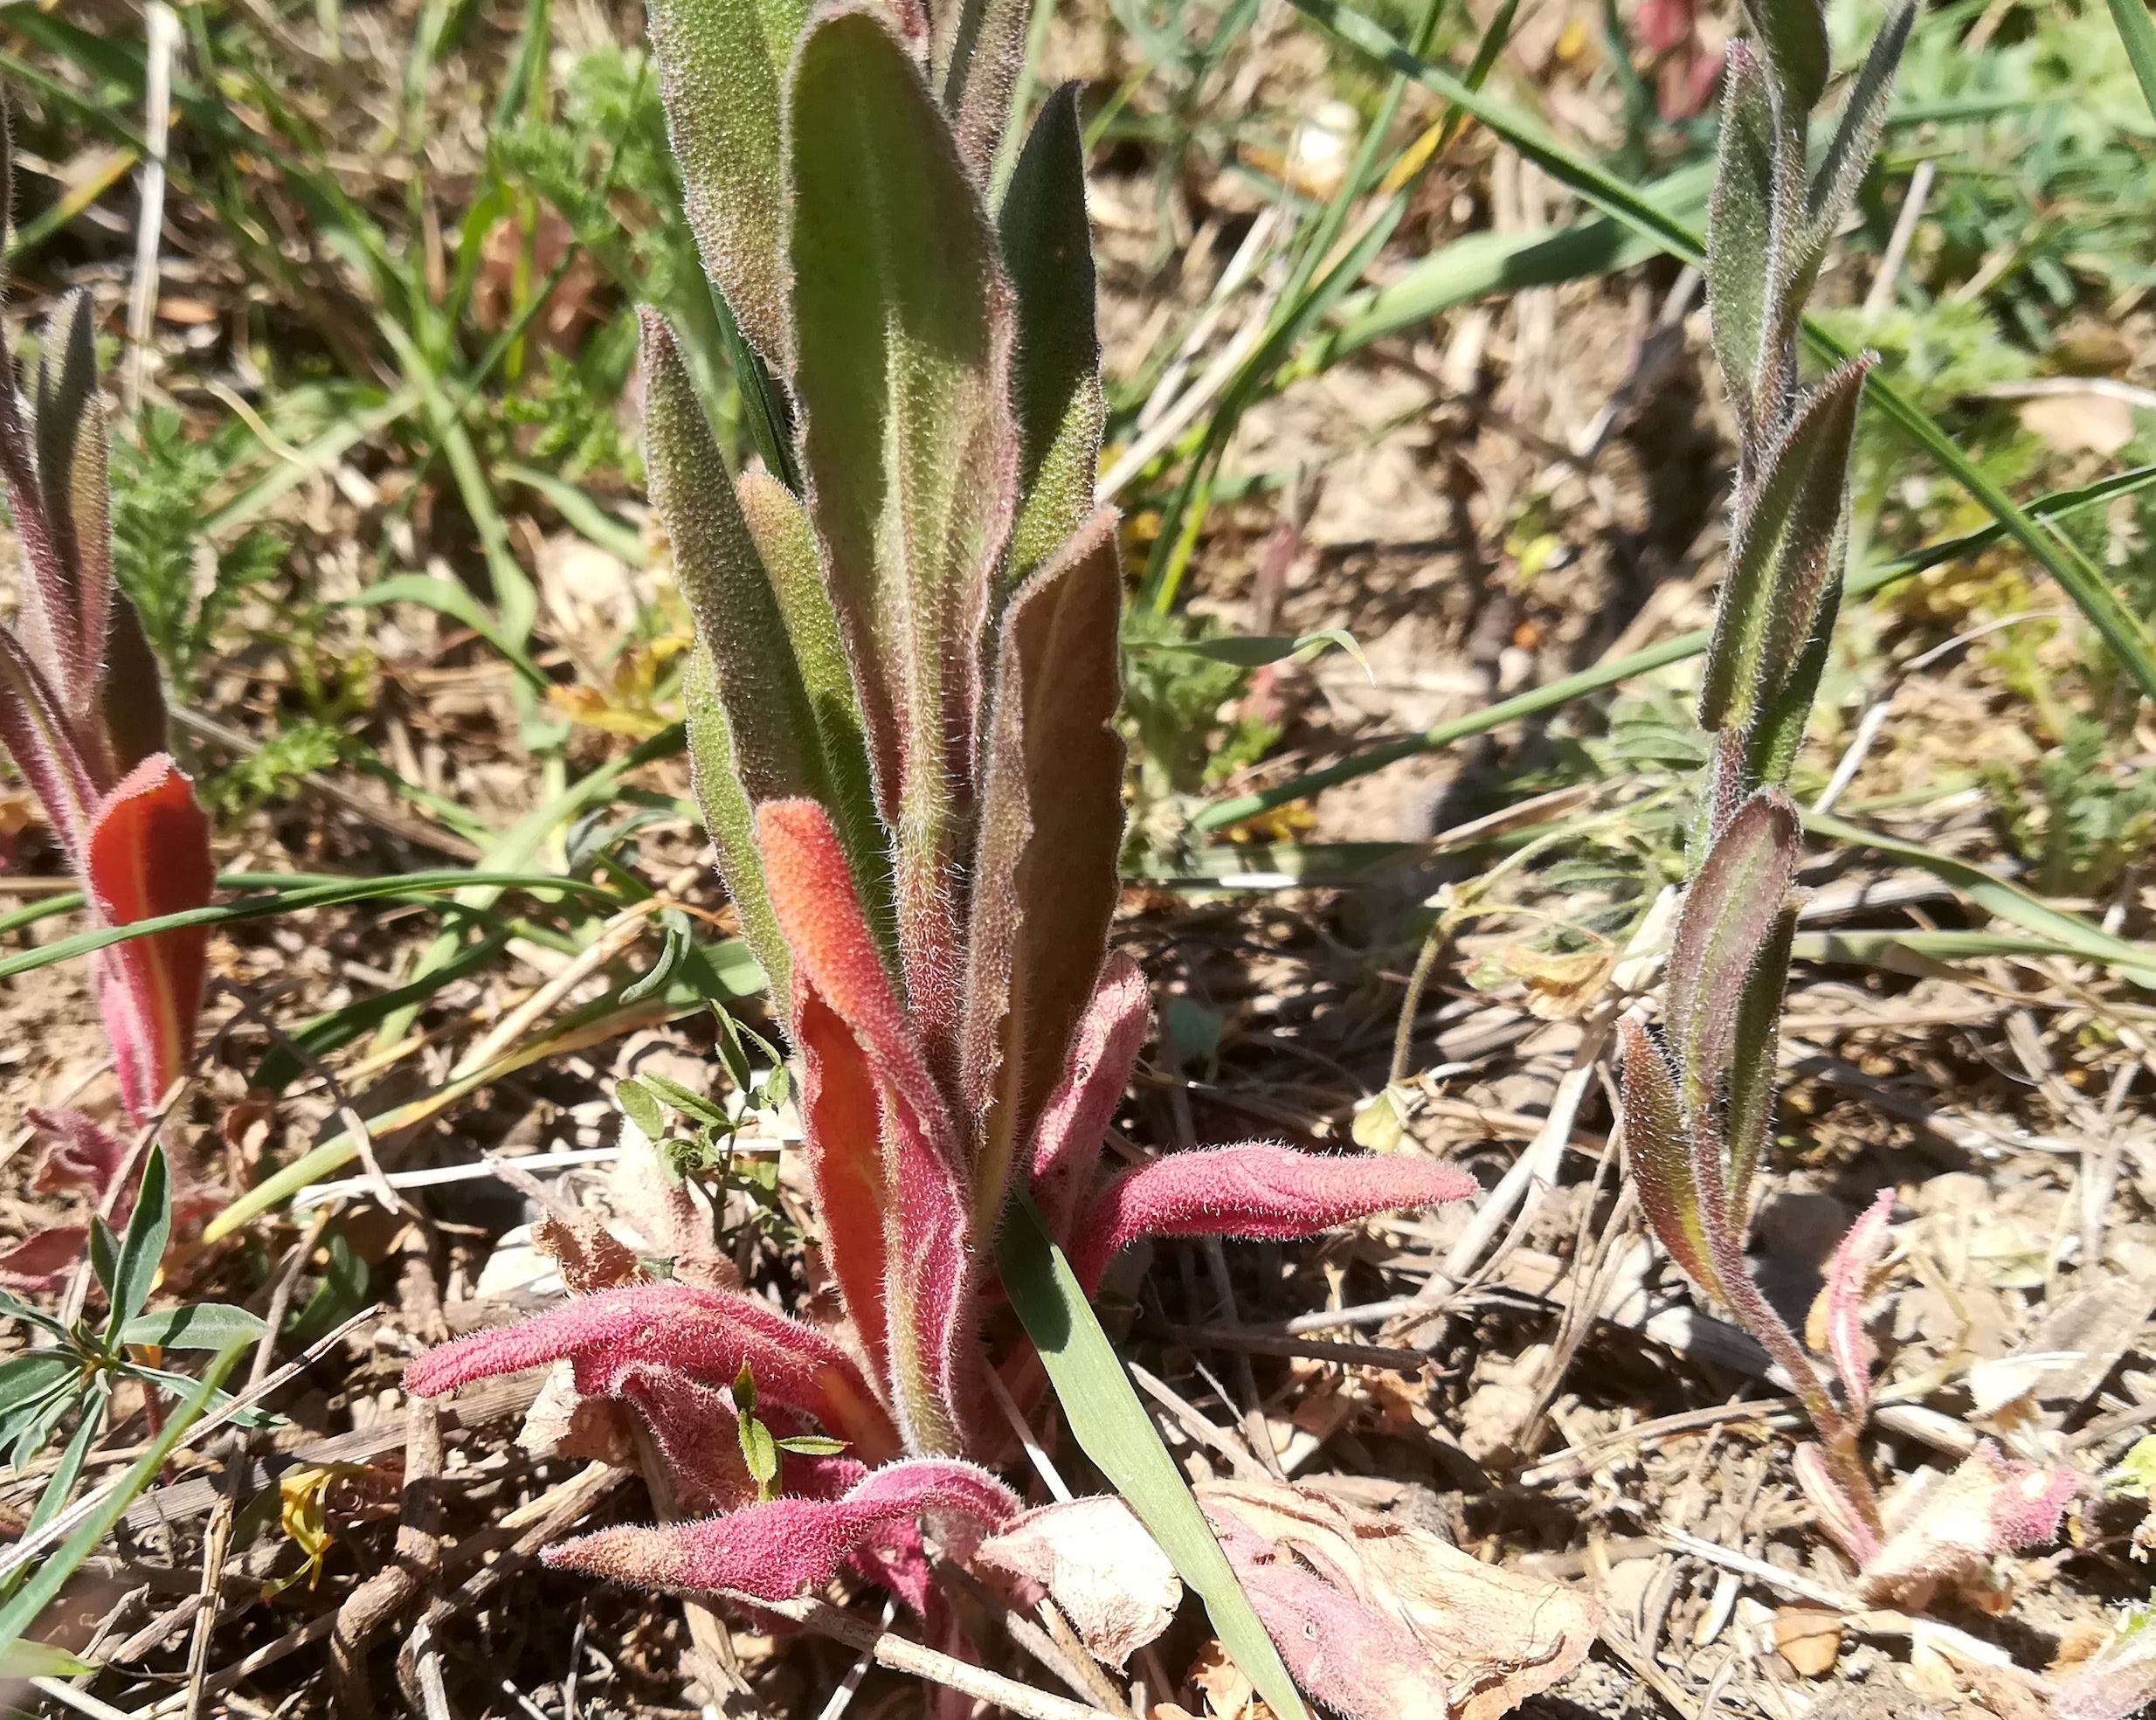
(1853, 1352)
(928, 1262)
(1258, 1191)
(44, 1258)
(148, 855)
(1066, 1142)
(36, 736)
(697, 1433)
(929, 1289)
(707, 1335)
(778, 1548)
(1937, 1534)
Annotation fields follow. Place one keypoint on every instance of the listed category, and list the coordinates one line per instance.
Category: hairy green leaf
(1799, 57)
(1045, 882)
(730, 818)
(1781, 555)
(904, 326)
(720, 63)
(1740, 227)
(1855, 139)
(1661, 1151)
(1750, 1108)
(1055, 382)
(787, 544)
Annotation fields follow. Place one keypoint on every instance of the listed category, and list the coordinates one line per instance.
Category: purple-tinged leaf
(709, 1335)
(930, 1290)
(1056, 385)
(1847, 1273)
(776, 1550)
(1659, 1147)
(1838, 1514)
(1260, 1191)
(45, 1259)
(148, 856)
(904, 328)
(2116, 1681)
(1051, 828)
(695, 1426)
(34, 729)
(721, 63)
(978, 46)
(65, 606)
(1074, 1124)
(1732, 910)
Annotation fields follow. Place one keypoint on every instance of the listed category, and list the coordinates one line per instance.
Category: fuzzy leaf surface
(1798, 56)
(1051, 829)
(1659, 1148)
(1781, 557)
(148, 855)
(720, 66)
(904, 327)
(730, 820)
(1736, 900)
(1261, 1192)
(1853, 1258)
(709, 1335)
(778, 1548)
(1740, 227)
(1047, 248)
(1074, 1124)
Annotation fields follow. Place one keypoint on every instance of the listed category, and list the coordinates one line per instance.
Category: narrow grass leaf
(1112, 1428)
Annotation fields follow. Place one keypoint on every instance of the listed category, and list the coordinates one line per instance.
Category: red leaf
(1258, 1191)
(778, 1548)
(842, 1129)
(148, 855)
(697, 1433)
(1852, 1260)
(44, 1257)
(1066, 1144)
(707, 1335)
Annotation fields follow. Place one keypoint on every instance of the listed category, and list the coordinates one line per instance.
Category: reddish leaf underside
(44, 1257)
(1067, 1143)
(148, 855)
(779, 1547)
(1051, 826)
(1259, 1190)
(709, 1335)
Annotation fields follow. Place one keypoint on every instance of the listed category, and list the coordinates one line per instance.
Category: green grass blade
(2082, 580)
(1996, 895)
(1921, 952)
(1537, 700)
(2137, 31)
(418, 885)
(1112, 1428)
(51, 1576)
